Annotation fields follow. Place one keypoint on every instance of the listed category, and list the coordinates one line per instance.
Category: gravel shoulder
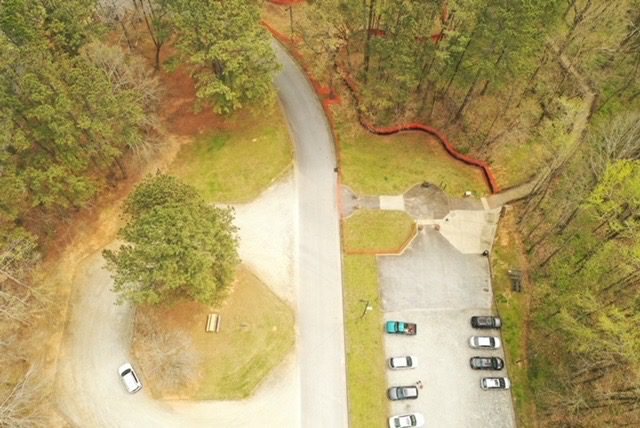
(268, 236)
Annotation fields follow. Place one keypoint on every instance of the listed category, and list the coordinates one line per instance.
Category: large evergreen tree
(175, 245)
(230, 52)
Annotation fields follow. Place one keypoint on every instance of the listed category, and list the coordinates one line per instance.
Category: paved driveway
(440, 288)
(433, 274)
(320, 311)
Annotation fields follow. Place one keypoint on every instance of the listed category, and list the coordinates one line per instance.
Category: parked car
(408, 362)
(406, 421)
(129, 378)
(400, 327)
(486, 363)
(495, 383)
(402, 393)
(489, 342)
(485, 322)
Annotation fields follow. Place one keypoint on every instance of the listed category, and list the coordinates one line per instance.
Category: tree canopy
(175, 245)
(229, 50)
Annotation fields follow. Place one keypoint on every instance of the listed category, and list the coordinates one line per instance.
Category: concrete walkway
(469, 224)
(511, 195)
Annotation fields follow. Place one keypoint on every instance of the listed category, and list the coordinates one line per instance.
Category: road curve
(308, 389)
(320, 310)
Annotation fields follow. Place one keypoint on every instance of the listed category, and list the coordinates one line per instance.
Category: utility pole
(291, 19)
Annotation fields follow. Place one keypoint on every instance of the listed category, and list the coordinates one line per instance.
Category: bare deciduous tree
(118, 13)
(18, 254)
(23, 405)
(167, 356)
(618, 140)
(157, 19)
(130, 74)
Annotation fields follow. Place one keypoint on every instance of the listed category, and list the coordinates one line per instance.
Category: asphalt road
(308, 389)
(320, 310)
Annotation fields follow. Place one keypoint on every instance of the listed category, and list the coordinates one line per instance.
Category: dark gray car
(402, 393)
(486, 363)
(485, 322)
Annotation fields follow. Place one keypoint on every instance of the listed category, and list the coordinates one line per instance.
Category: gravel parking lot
(440, 288)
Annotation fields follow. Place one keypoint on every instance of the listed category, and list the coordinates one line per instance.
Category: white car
(495, 383)
(406, 421)
(407, 362)
(488, 342)
(129, 378)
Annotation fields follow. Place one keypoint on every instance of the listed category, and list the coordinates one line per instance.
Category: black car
(485, 322)
(486, 363)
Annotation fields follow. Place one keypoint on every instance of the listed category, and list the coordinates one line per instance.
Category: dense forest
(71, 107)
(545, 90)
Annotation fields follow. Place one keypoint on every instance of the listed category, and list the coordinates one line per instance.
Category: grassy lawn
(375, 165)
(234, 164)
(376, 230)
(516, 164)
(513, 308)
(257, 332)
(367, 382)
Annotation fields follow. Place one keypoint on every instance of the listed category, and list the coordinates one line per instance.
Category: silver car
(402, 393)
(487, 342)
(495, 383)
(406, 421)
(407, 362)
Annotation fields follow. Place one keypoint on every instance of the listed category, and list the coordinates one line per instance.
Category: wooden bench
(213, 323)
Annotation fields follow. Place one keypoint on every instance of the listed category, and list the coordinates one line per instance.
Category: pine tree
(229, 52)
(176, 246)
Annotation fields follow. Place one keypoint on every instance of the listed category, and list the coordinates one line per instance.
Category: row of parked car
(411, 392)
(488, 342)
(407, 392)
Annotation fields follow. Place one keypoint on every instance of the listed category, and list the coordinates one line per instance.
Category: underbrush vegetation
(513, 308)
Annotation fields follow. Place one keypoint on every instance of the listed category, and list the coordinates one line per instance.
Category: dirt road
(98, 341)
